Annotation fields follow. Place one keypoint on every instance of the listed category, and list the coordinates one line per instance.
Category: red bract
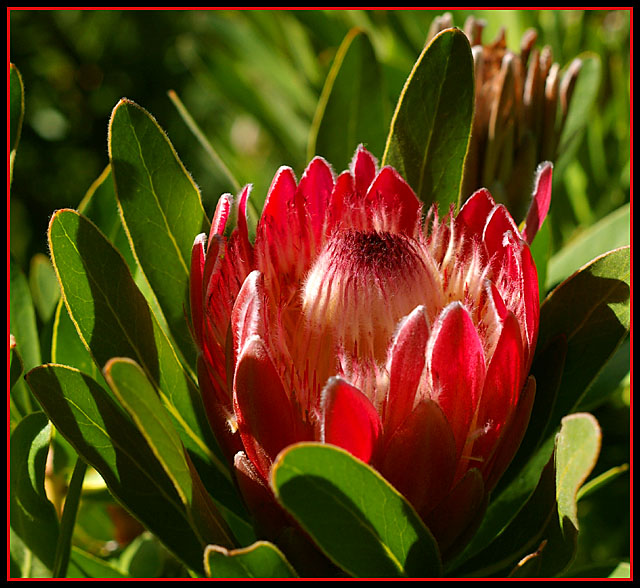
(354, 321)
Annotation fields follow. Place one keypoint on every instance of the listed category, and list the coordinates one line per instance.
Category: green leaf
(622, 570)
(97, 428)
(100, 206)
(161, 210)
(67, 348)
(33, 519)
(16, 115)
(541, 252)
(515, 518)
(602, 480)
(113, 319)
(584, 96)
(611, 232)
(352, 107)
(576, 452)
(259, 560)
(144, 405)
(613, 378)
(612, 569)
(360, 522)
(592, 310)
(430, 130)
(26, 343)
(44, 286)
(22, 317)
(86, 565)
(143, 557)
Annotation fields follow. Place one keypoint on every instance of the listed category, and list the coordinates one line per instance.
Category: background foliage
(252, 81)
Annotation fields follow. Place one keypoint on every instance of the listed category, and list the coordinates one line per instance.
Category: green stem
(195, 129)
(68, 521)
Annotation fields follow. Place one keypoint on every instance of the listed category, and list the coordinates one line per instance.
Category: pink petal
(248, 317)
(339, 202)
(540, 202)
(217, 403)
(283, 245)
(476, 210)
(265, 416)
(498, 223)
(349, 420)
(501, 388)
(221, 215)
(498, 302)
(407, 359)
(420, 457)
(393, 203)
(457, 369)
(364, 168)
(315, 188)
(265, 510)
(280, 197)
(196, 293)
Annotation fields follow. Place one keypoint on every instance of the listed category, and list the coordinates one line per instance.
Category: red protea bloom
(353, 321)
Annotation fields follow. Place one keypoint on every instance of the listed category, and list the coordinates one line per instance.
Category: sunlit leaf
(144, 405)
(259, 560)
(105, 438)
(577, 449)
(114, 320)
(360, 522)
(430, 129)
(161, 210)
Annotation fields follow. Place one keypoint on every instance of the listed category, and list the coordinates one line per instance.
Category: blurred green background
(251, 80)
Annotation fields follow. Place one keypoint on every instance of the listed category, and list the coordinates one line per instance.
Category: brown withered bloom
(521, 105)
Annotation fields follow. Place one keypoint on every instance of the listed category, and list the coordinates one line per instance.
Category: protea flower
(352, 320)
(521, 105)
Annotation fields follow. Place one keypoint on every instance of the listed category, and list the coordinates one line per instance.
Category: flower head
(353, 320)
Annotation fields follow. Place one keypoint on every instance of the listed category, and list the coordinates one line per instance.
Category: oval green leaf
(352, 107)
(430, 130)
(113, 319)
(33, 519)
(97, 428)
(143, 403)
(259, 560)
(161, 210)
(576, 452)
(355, 516)
(611, 232)
(592, 310)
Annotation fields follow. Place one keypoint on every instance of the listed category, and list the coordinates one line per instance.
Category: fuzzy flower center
(361, 285)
